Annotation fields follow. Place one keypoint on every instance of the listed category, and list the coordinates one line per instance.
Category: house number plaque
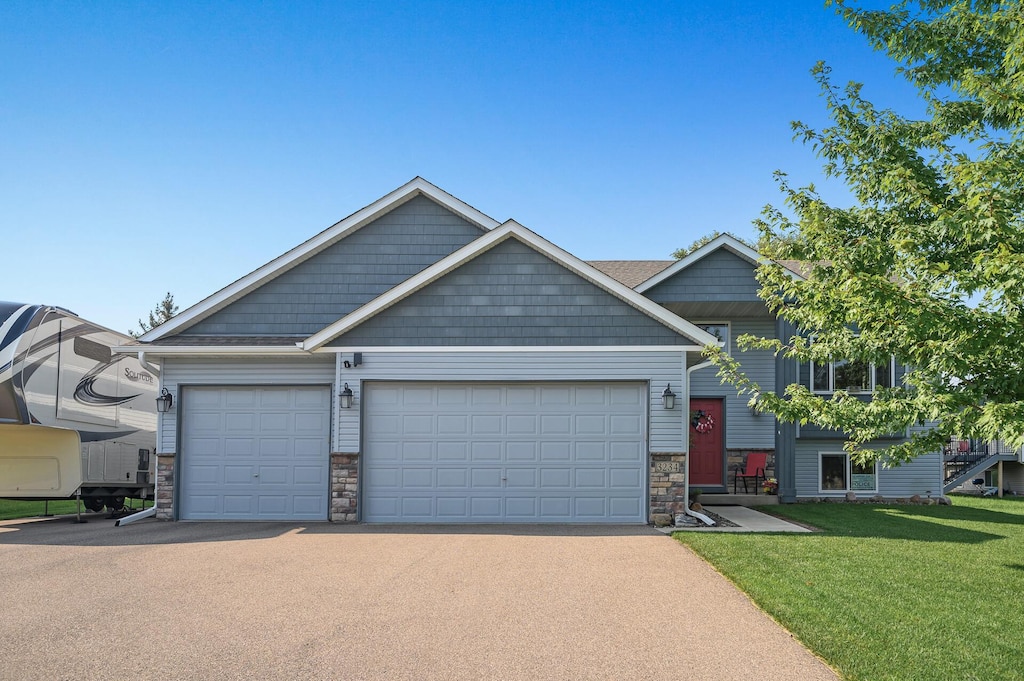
(666, 466)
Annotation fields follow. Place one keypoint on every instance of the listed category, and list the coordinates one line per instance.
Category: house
(420, 362)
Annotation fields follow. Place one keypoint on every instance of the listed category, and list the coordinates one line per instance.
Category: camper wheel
(94, 504)
(114, 503)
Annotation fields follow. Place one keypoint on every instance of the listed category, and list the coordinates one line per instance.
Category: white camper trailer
(73, 416)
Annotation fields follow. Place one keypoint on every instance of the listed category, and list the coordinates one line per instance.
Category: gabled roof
(726, 241)
(229, 294)
(508, 230)
(630, 272)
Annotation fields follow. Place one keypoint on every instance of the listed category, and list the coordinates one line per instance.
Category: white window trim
(849, 475)
(832, 377)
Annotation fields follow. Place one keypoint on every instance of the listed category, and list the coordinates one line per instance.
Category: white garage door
(255, 453)
(478, 452)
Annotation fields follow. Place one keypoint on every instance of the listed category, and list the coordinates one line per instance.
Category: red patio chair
(756, 463)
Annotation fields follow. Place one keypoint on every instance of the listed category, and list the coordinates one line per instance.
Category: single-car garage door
(483, 452)
(255, 453)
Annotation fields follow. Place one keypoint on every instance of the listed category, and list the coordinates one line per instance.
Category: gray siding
(743, 429)
(345, 275)
(313, 370)
(921, 476)
(659, 368)
(720, 276)
(510, 295)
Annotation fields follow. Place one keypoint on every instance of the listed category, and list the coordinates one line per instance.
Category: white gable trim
(253, 280)
(510, 229)
(725, 241)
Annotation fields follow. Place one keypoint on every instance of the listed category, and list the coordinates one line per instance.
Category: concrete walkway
(747, 519)
(321, 601)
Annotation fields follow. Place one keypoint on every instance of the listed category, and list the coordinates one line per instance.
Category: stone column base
(344, 487)
(668, 483)
(165, 486)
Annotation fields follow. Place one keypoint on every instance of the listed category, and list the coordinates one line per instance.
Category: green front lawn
(891, 592)
(10, 508)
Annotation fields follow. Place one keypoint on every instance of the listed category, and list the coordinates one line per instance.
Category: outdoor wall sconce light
(668, 398)
(164, 402)
(346, 397)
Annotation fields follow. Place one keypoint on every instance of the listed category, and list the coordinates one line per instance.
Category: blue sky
(154, 147)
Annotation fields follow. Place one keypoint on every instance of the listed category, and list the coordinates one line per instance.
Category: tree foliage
(164, 310)
(928, 265)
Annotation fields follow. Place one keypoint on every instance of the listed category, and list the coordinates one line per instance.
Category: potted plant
(770, 486)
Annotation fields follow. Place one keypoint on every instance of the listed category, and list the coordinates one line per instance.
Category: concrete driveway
(279, 601)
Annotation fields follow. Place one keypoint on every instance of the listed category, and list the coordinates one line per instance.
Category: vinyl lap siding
(659, 368)
(314, 370)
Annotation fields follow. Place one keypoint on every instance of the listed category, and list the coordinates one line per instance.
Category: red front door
(707, 443)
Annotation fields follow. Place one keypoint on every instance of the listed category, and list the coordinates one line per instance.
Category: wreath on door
(702, 421)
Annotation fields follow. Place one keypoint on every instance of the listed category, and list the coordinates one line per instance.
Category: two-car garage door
(483, 452)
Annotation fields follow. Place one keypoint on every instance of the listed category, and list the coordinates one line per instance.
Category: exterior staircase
(964, 460)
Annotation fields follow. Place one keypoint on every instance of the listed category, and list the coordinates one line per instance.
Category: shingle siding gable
(510, 295)
(345, 275)
(719, 276)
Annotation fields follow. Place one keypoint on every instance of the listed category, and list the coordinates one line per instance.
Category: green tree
(681, 253)
(928, 265)
(160, 314)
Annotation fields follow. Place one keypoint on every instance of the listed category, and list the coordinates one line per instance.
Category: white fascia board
(449, 349)
(510, 229)
(418, 186)
(208, 350)
(721, 241)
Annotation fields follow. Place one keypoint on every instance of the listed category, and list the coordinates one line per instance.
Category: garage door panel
(545, 452)
(591, 451)
(521, 425)
(485, 508)
(452, 478)
(452, 451)
(417, 451)
(483, 478)
(234, 475)
(418, 477)
(419, 508)
(485, 451)
(521, 451)
(587, 507)
(452, 508)
(555, 451)
(255, 453)
(273, 447)
(521, 477)
(524, 508)
(234, 399)
(487, 424)
(555, 478)
(625, 451)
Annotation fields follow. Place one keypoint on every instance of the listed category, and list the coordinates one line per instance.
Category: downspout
(686, 441)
